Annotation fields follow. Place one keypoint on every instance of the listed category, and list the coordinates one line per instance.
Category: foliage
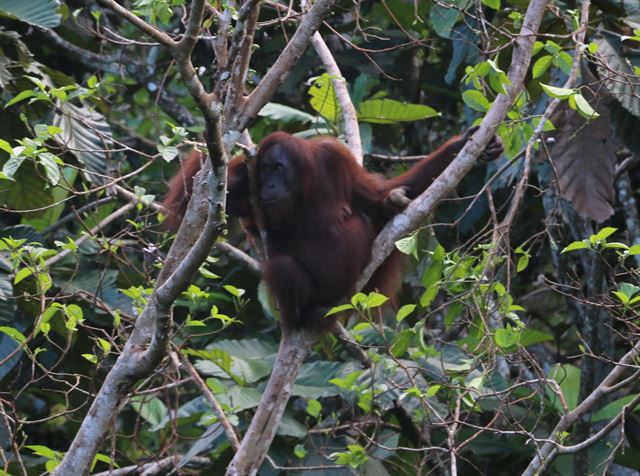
(485, 349)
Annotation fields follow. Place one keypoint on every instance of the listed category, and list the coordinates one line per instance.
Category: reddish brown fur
(318, 248)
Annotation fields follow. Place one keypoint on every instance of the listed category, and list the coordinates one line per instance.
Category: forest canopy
(512, 345)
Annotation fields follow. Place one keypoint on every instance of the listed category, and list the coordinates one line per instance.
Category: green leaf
(555, 92)
(314, 407)
(506, 337)
(285, 114)
(300, 451)
(337, 309)
(431, 277)
(444, 15)
(374, 300)
(548, 125)
(15, 334)
(401, 343)
(616, 246)
(389, 111)
(4, 145)
(342, 383)
(495, 4)
(404, 311)
(47, 160)
(215, 385)
(629, 289)
(564, 61)
(584, 108)
(603, 234)
(624, 299)
(533, 336)
(634, 250)
(568, 377)
(87, 135)
(236, 292)
(73, 311)
(22, 274)
(20, 97)
(168, 152)
(576, 245)
(537, 47)
(523, 262)
(552, 47)
(42, 13)
(44, 451)
(541, 65)
(409, 245)
(620, 64)
(10, 168)
(613, 409)
(476, 100)
(323, 98)
(153, 410)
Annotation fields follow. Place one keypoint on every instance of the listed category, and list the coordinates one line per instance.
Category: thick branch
(294, 347)
(149, 340)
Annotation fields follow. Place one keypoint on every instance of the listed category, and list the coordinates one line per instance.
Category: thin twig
(208, 394)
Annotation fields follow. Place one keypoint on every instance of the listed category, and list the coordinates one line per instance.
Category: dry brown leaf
(584, 160)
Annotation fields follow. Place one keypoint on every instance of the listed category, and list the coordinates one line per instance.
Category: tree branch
(349, 114)
(283, 65)
(422, 206)
(294, 347)
(158, 35)
(549, 450)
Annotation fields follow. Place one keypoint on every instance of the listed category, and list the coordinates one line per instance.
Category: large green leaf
(52, 214)
(8, 316)
(445, 14)
(312, 381)
(610, 411)
(619, 67)
(289, 426)
(28, 192)
(87, 135)
(389, 111)
(5, 73)
(252, 359)
(202, 444)
(323, 98)
(42, 13)
(286, 114)
(568, 378)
